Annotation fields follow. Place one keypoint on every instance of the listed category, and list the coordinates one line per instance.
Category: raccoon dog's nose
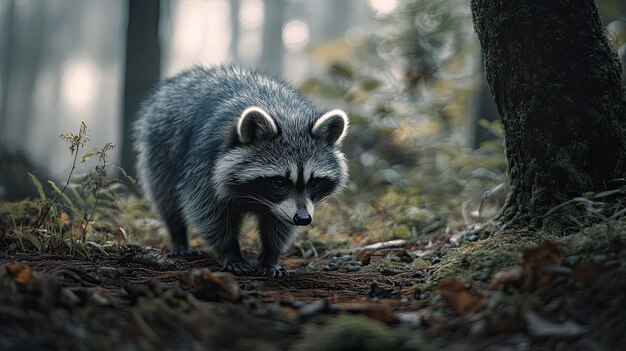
(302, 217)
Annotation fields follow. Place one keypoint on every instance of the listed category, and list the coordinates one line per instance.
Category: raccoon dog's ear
(332, 127)
(255, 124)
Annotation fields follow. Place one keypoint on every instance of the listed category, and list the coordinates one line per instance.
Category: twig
(74, 145)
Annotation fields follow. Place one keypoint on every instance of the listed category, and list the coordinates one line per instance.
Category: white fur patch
(310, 207)
(325, 117)
(324, 170)
(308, 171)
(285, 210)
(343, 167)
(223, 171)
(270, 121)
(293, 172)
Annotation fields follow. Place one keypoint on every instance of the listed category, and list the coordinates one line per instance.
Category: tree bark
(143, 67)
(556, 81)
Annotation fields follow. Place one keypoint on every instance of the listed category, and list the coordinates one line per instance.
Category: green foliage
(38, 185)
(594, 206)
(407, 91)
(352, 333)
(75, 217)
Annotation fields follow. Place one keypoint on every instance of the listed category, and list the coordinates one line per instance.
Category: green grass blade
(130, 178)
(33, 240)
(62, 194)
(37, 183)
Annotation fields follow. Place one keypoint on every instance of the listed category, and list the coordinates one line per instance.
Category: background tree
(143, 66)
(235, 9)
(7, 10)
(556, 81)
(482, 108)
(21, 45)
(272, 50)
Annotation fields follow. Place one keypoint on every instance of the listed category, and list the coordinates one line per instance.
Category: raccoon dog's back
(215, 143)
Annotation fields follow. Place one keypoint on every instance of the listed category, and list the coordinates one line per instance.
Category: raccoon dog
(216, 143)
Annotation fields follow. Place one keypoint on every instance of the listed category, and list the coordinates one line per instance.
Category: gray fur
(200, 158)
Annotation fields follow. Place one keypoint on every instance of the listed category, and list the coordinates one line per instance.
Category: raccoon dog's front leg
(275, 234)
(221, 230)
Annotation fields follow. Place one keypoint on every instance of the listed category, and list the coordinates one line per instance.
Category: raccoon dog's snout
(302, 217)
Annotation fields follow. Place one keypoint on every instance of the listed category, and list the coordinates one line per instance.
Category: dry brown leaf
(586, 273)
(377, 206)
(411, 246)
(210, 286)
(21, 273)
(376, 311)
(64, 217)
(358, 238)
(364, 257)
(507, 276)
(381, 313)
(453, 293)
(536, 263)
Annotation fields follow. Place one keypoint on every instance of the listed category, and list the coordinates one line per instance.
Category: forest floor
(404, 259)
(470, 289)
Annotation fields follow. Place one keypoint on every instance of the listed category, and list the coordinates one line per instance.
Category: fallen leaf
(64, 217)
(536, 265)
(210, 286)
(377, 206)
(380, 313)
(375, 311)
(586, 273)
(507, 276)
(364, 257)
(453, 293)
(411, 246)
(21, 273)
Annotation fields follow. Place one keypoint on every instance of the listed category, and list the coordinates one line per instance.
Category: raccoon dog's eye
(278, 183)
(313, 183)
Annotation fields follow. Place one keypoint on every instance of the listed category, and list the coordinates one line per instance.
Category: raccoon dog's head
(284, 164)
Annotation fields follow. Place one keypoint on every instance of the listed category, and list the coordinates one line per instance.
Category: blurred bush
(407, 90)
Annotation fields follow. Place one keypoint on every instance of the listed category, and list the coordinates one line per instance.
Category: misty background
(66, 61)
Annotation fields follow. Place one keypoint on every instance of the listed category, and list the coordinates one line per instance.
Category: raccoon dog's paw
(273, 271)
(239, 267)
(186, 252)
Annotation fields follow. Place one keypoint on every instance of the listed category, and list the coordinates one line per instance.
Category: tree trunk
(483, 108)
(23, 60)
(272, 49)
(556, 81)
(143, 66)
(8, 10)
(235, 27)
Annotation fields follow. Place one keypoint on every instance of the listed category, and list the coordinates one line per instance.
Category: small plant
(594, 207)
(67, 220)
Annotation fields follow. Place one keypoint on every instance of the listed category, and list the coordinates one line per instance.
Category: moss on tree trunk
(556, 80)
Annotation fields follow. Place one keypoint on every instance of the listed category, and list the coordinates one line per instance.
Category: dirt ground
(444, 292)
